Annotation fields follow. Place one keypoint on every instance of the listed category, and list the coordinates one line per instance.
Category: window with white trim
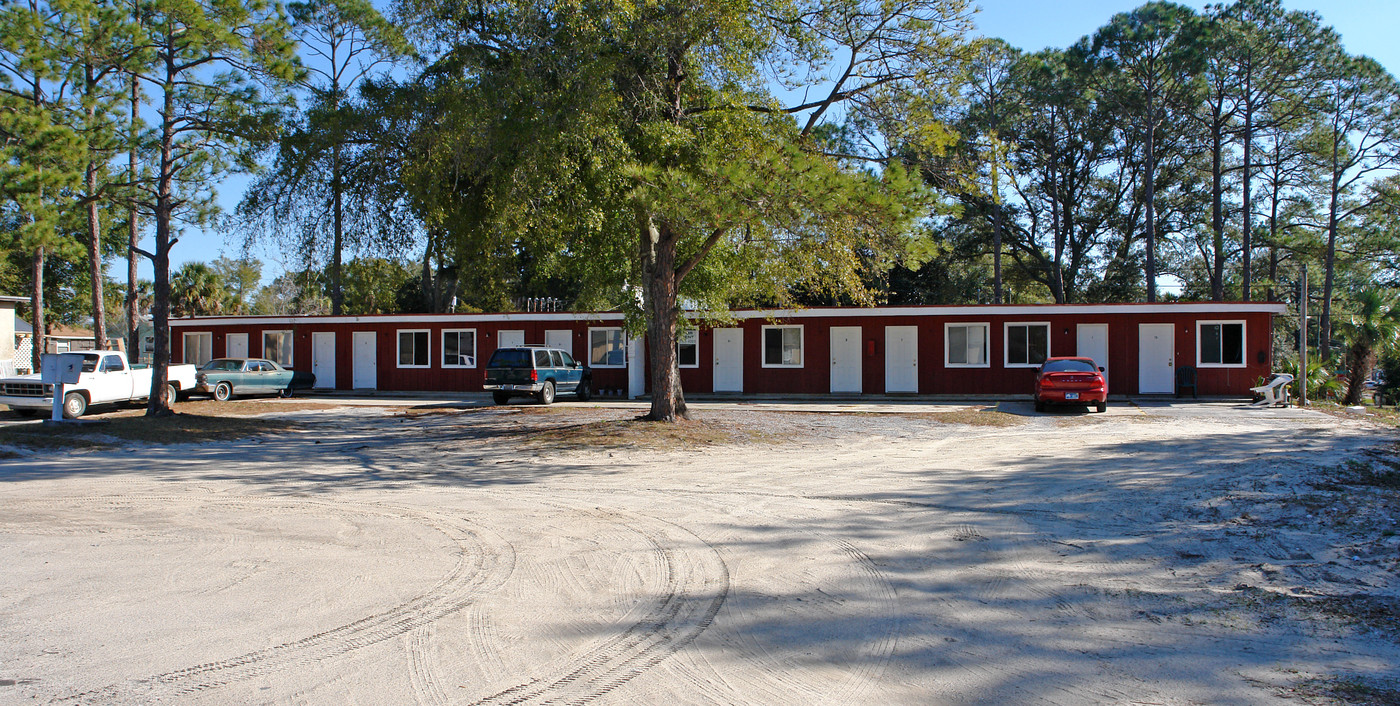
(459, 348)
(1220, 344)
(782, 346)
(199, 348)
(277, 347)
(1027, 344)
(965, 345)
(607, 348)
(688, 349)
(413, 349)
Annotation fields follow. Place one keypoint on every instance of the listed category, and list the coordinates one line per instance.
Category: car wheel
(546, 395)
(584, 391)
(285, 392)
(172, 394)
(1039, 406)
(223, 392)
(500, 397)
(1101, 407)
(74, 405)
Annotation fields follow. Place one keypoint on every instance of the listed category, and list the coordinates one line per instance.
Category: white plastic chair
(1275, 392)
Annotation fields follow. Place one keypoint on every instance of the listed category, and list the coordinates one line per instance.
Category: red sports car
(1070, 381)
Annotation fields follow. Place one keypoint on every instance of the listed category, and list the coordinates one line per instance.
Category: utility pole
(1303, 339)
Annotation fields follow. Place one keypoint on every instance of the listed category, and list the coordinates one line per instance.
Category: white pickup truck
(106, 378)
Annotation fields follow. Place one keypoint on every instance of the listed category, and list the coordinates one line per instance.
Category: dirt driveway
(1186, 554)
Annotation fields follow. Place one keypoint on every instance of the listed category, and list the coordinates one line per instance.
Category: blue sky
(1366, 26)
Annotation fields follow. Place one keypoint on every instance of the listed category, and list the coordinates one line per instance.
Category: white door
(236, 345)
(510, 339)
(563, 340)
(901, 359)
(1091, 341)
(845, 359)
(636, 367)
(729, 360)
(323, 359)
(1156, 359)
(365, 370)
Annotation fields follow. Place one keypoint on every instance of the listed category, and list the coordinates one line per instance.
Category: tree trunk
(1150, 199)
(36, 306)
(1360, 360)
(1246, 203)
(1324, 342)
(659, 300)
(95, 269)
(133, 238)
(1217, 210)
(94, 222)
(156, 405)
(337, 238)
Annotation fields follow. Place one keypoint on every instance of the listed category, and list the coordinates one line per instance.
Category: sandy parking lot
(1170, 555)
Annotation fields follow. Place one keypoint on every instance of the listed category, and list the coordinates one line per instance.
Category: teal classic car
(225, 377)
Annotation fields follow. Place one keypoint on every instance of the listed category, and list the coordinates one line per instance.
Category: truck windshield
(510, 358)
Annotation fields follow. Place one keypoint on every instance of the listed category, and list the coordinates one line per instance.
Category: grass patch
(132, 426)
(1352, 690)
(973, 417)
(1363, 473)
(637, 434)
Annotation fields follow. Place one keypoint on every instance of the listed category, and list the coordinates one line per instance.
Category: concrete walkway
(868, 404)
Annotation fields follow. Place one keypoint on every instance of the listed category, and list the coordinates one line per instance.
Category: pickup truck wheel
(546, 395)
(172, 394)
(584, 391)
(223, 391)
(74, 405)
(500, 397)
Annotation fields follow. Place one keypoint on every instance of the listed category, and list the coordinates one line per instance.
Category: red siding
(814, 377)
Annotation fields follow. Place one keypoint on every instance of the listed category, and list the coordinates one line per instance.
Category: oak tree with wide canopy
(708, 152)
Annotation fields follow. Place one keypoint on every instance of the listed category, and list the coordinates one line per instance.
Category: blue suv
(537, 372)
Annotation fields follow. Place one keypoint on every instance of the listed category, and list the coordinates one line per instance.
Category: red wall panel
(812, 378)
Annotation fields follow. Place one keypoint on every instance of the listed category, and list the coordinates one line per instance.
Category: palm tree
(197, 290)
(1375, 325)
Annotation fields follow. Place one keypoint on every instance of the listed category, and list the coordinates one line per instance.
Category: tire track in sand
(483, 562)
(695, 583)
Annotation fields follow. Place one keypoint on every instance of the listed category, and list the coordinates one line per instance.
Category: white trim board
(1213, 308)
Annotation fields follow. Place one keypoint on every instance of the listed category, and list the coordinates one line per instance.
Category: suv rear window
(509, 358)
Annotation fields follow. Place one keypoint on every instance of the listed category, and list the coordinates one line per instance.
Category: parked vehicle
(538, 372)
(225, 377)
(106, 378)
(1077, 381)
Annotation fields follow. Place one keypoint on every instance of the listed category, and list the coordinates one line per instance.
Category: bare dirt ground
(1187, 554)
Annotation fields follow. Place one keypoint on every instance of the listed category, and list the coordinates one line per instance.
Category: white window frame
(621, 335)
(1006, 343)
(1244, 343)
(398, 347)
(986, 327)
(801, 346)
(443, 349)
(291, 347)
(207, 336)
(688, 338)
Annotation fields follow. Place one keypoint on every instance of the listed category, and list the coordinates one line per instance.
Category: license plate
(1071, 395)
